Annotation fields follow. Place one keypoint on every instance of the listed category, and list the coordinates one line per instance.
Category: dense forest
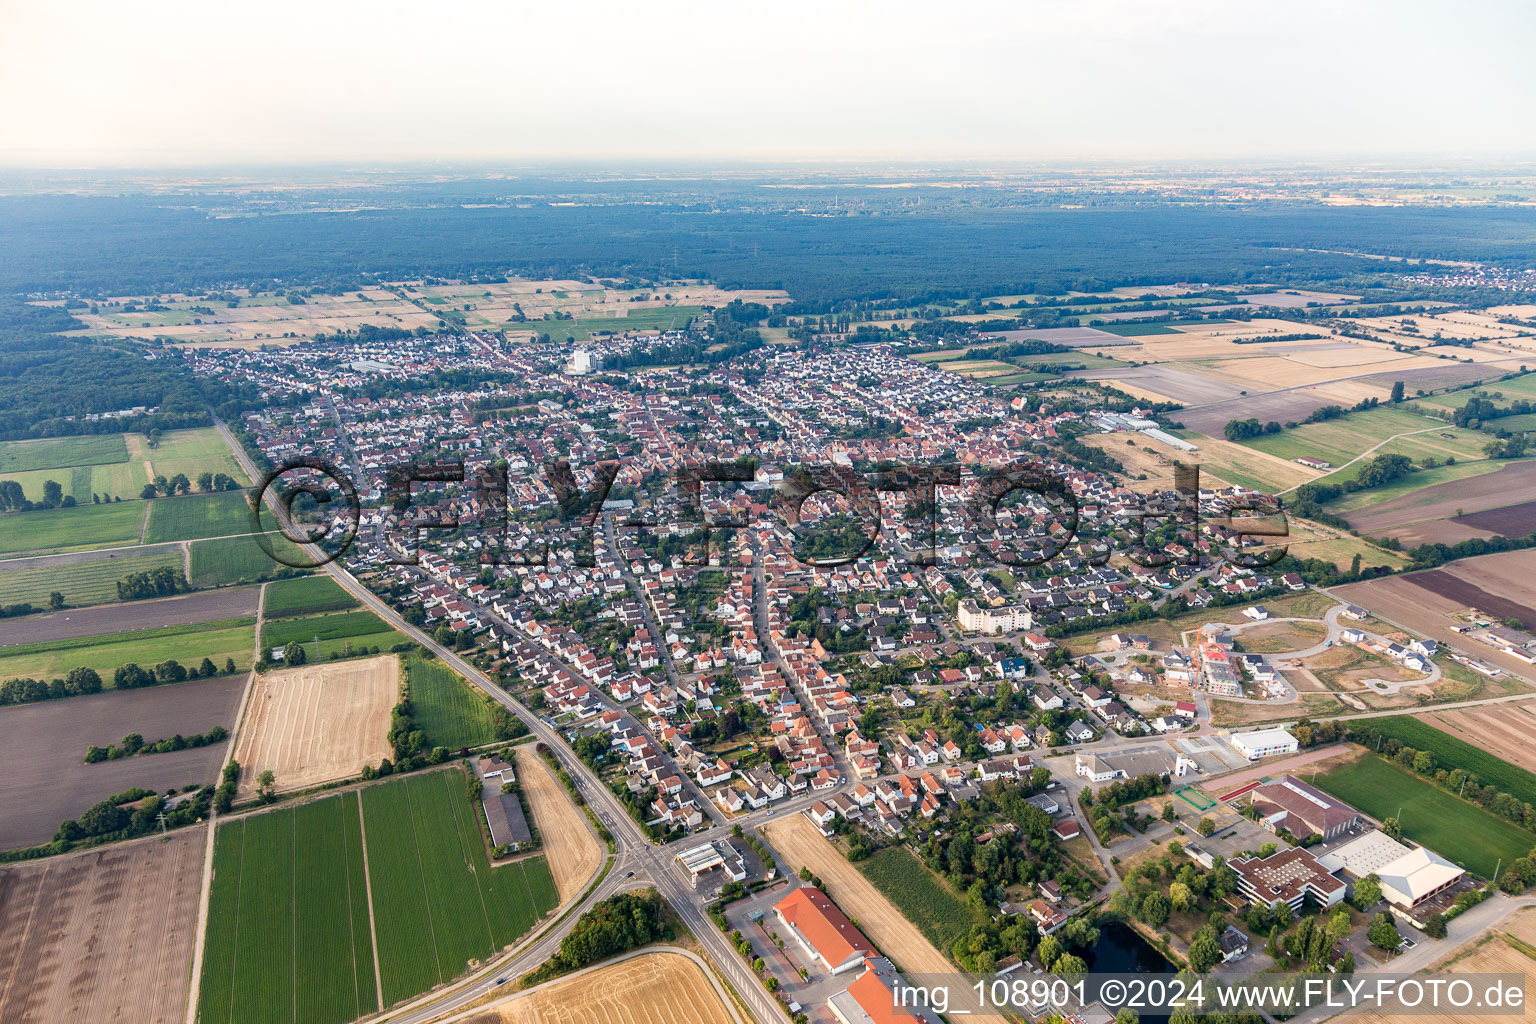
(925, 245)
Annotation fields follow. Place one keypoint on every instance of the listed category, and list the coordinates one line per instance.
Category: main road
(634, 847)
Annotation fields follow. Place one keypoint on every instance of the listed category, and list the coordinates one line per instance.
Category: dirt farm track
(657, 988)
(573, 852)
(104, 935)
(317, 723)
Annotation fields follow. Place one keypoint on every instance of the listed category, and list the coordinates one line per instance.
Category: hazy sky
(86, 82)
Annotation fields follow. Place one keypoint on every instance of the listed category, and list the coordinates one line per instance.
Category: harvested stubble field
(801, 845)
(656, 988)
(103, 935)
(1504, 731)
(1509, 950)
(317, 723)
(573, 852)
(43, 757)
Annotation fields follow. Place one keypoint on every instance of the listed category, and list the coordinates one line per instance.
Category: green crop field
(1340, 440)
(190, 644)
(194, 516)
(288, 936)
(305, 596)
(1131, 330)
(451, 712)
(923, 898)
(200, 450)
(446, 905)
(71, 529)
(334, 626)
(61, 452)
(1450, 826)
(81, 583)
(1452, 753)
(1417, 481)
(239, 560)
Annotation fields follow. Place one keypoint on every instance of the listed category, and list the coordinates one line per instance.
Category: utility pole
(161, 818)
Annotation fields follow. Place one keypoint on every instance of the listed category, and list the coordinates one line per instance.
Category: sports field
(193, 516)
(306, 595)
(451, 712)
(1452, 827)
(188, 644)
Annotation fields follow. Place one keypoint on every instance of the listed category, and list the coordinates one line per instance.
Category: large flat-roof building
(702, 860)
(1263, 743)
(1408, 876)
(1302, 810)
(822, 930)
(1291, 877)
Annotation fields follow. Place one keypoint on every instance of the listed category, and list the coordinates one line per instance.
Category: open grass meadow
(1452, 753)
(289, 938)
(189, 644)
(71, 529)
(446, 905)
(923, 898)
(61, 452)
(240, 560)
(1340, 440)
(1450, 826)
(195, 516)
(194, 451)
(449, 710)
(306, 595)
(81, 583)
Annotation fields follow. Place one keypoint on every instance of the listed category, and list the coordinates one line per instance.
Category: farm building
(504, 815)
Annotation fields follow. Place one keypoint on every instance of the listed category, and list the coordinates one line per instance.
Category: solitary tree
(266, 784)
(56, 600)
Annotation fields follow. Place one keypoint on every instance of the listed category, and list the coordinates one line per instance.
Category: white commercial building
(1263, 743)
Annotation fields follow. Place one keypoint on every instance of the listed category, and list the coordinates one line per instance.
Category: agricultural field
(188, 644)
(1452, 753)
(289, 935)
(124, 616)
(195, 516)
(306, 595)
(446, 906)
(449, 710)
(82, 582)
(240, 560)
(941, 914)
(1503, 731)
(1452, 827)
(72, 529)
(61, 452)
(102, 935)
(656, 988)
(1342, 439)
(1510, 948)
(572, 851)
(43, 758)
(334, 632)
(317, 723)
(118, 466)
(1455, 509)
